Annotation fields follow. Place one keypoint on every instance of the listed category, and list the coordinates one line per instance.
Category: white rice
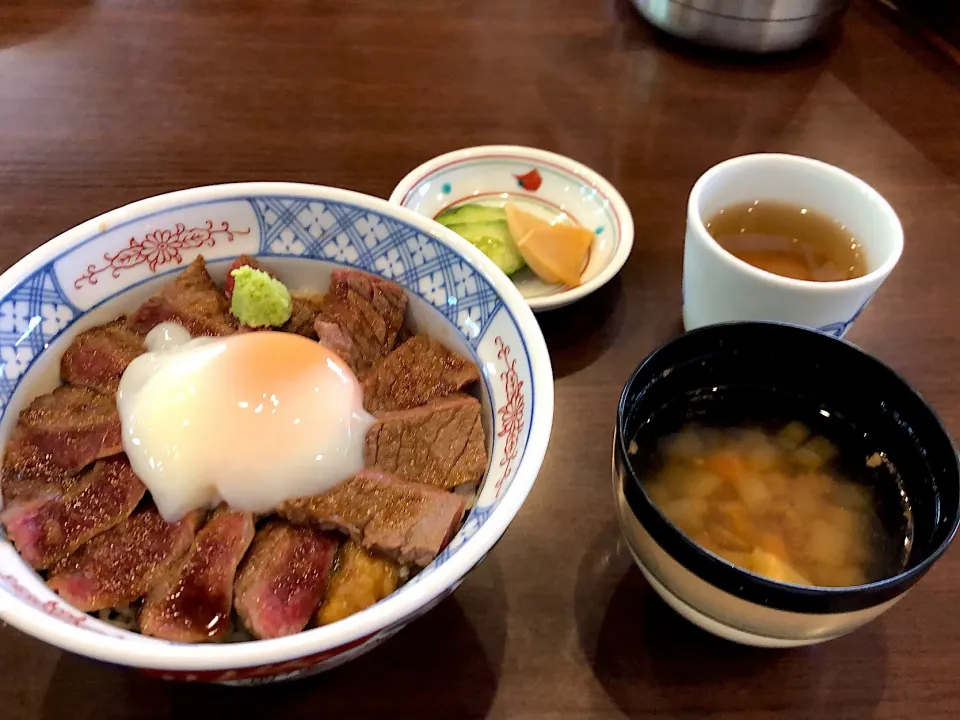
(122, 616)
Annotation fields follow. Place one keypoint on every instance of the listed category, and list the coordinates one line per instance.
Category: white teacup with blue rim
(719, 287)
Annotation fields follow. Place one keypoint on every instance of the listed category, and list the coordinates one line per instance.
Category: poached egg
(251, 419)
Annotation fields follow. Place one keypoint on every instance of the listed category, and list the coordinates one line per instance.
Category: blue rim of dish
(733, 579)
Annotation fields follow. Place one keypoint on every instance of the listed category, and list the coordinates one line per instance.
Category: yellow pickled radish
(556, 253)
(520, 222)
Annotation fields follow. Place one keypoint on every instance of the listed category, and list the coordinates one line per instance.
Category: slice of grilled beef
(118, 566)
(97, 357)
(47, 530)
(283, 578)
(440, 443)
(369, 313)
(191, 603)
(418, 371)
(192, 300)
(56, 436)
(409, 522)
(306, 308)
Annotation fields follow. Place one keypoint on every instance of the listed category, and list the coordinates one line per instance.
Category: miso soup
(776, 501)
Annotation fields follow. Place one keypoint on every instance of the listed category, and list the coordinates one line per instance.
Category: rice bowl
(77, 281)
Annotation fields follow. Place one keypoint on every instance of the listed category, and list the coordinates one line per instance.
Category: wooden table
(104, 102)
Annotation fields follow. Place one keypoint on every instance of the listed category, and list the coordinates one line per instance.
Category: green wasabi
(258, 299)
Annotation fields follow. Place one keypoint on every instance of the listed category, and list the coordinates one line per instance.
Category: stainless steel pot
(759, 26)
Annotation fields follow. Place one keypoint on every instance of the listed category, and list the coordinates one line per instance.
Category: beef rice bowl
(245, 462)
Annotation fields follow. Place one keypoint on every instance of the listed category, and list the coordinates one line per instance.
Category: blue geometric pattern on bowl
(38, 310)
(357, 237)
(34, 313)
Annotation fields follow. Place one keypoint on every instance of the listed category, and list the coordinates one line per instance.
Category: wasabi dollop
(259, 300)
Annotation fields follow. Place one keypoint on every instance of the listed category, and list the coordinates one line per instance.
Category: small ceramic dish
(869, 405)
(548, 185)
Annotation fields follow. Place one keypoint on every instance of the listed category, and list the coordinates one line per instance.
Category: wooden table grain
(103, 102)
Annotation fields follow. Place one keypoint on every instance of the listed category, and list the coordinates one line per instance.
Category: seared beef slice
(192, 602)
(336, 338)
(305, 308)
(283, 579)
(439, 444)
(387, 298)
(418, 371)
(361, 580)
(409, 522)
(119, 566)
(46, 531)
(97, 357)
(56, 436)
(369, 312)
(193, 300)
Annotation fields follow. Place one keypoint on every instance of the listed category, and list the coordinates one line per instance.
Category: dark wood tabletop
(103, 102)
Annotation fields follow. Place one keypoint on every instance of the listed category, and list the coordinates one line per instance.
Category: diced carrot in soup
(725, 463)
(842, 519)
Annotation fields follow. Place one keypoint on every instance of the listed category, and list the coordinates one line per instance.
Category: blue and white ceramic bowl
(107, 266)
(544, 183)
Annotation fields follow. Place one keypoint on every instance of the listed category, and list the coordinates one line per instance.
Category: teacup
(719, 287)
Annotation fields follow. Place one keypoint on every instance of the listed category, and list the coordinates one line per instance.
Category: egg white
(251, 420)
